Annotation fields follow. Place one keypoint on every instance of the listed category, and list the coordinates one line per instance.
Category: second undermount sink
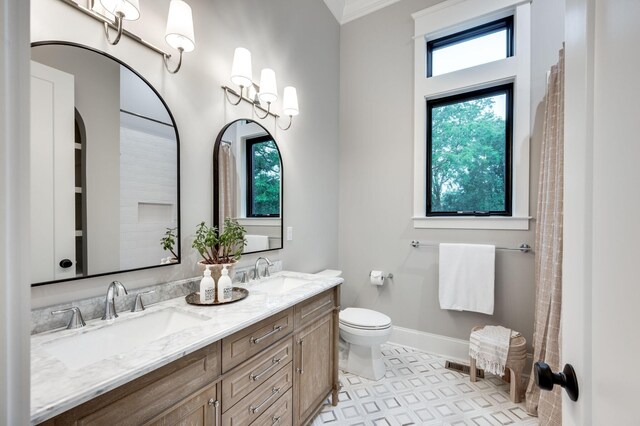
(282, 283)
(122, 336)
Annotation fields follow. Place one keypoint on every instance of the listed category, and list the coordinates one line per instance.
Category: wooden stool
(516, 360)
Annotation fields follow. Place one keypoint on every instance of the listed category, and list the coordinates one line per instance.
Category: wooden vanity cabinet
(315, 355)
(142, 400)
(278, 371)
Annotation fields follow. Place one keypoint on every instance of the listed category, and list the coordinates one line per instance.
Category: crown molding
(348, 10)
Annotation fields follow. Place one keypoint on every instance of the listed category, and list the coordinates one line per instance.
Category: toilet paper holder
(385, 276)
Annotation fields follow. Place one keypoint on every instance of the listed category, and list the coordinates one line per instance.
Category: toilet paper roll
(376, 277)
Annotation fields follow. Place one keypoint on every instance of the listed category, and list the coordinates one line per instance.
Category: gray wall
(303, 51)
(376, 179)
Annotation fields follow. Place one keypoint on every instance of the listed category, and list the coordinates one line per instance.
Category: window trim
(471, 34)
(453, 16)
(249, 142)
(467, 96)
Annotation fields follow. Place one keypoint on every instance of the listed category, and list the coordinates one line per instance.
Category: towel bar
(524, 247)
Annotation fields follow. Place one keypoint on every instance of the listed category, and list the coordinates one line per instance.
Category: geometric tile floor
(418, 390)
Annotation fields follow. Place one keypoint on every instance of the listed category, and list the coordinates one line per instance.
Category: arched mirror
(104, 167)
(247, 181)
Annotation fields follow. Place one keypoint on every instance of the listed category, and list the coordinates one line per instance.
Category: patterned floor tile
(418, 390)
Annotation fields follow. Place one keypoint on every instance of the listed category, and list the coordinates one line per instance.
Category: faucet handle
(245, 277)
(138, 305)
(76, 320)
(266, 271)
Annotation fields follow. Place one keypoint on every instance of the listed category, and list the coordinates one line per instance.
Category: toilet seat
(364, 319)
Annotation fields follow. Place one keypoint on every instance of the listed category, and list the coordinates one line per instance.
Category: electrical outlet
(290, 233)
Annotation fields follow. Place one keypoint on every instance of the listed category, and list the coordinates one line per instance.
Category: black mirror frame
(216, 189)
(175, 127)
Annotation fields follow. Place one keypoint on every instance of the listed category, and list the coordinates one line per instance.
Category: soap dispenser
(207, 287)
(225, 289)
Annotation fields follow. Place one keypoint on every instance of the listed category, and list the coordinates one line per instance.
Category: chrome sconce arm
(166, 62)
(266, 112)
(288, 126)
(119, 28)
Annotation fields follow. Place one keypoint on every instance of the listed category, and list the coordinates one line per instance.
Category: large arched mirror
(104, 167)
(247, 180)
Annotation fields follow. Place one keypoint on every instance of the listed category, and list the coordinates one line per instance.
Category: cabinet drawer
(257, 402)
(146, 397)
(201, 409)
(244, 344)
(251, 374)
(310, 310)
(279, 414)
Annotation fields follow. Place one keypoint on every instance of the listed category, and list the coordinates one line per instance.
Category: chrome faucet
(115, 289)
(256, 272)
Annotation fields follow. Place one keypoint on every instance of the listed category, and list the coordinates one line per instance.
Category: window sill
(520, 223)
(259, 221)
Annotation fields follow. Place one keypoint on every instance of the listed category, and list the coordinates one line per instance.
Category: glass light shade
(130, 9)
(241, 74)
(179, 32)
(290, 101)
(268, 88)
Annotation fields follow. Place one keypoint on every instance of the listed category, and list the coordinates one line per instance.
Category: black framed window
(479, 45)
(469, 150)
(263, 177)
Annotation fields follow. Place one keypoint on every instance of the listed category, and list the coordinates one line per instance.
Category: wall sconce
(257, 95)
(179, 33)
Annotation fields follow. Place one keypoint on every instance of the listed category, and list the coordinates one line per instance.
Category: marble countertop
(55, 388)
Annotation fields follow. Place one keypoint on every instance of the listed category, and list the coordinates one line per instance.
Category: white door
(52, 173)
(601, 270)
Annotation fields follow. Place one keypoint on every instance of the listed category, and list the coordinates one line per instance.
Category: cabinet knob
(212, 401)
(66, 263)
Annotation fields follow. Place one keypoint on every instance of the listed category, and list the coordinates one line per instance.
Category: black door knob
(66, 263)
(546, 379)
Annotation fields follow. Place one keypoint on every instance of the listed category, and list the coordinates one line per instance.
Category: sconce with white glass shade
(290, 104)
(241, 74)
(258, 95)
(179, 33)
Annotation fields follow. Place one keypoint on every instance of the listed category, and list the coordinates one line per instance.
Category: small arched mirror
(247, 181)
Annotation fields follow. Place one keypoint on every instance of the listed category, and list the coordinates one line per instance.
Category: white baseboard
(447, 347)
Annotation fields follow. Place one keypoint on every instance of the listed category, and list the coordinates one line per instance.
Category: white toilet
(362, 331)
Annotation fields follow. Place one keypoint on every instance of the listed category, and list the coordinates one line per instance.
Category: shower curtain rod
(524, 247)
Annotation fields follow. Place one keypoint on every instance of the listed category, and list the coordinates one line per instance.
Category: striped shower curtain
(548, 262)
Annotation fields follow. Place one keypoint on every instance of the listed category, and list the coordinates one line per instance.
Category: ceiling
(348, 10)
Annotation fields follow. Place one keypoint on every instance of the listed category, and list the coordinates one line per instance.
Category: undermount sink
(282, 283)
(122, 336)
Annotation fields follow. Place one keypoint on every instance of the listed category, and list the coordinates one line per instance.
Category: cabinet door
(313, 376)
(203, 409)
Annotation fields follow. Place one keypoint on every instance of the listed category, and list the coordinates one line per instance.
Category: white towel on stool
(490, 348)
(467, 276)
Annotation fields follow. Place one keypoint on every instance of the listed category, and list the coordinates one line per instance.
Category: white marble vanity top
(55, 388)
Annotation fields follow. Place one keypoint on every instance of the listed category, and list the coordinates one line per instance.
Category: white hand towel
(256, 243)
(490, 348)
(467, 276)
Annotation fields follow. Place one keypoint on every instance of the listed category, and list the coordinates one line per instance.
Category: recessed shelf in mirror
(104, 166)
(248, 182)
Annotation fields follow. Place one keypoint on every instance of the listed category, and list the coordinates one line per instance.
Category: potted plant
(168, 242)
(219, 249)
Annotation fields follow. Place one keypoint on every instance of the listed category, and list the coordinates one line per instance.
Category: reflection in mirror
(247, 175)
(104, 166)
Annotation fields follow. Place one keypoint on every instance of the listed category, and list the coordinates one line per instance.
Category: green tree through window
(263, 161)
(469, 147)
